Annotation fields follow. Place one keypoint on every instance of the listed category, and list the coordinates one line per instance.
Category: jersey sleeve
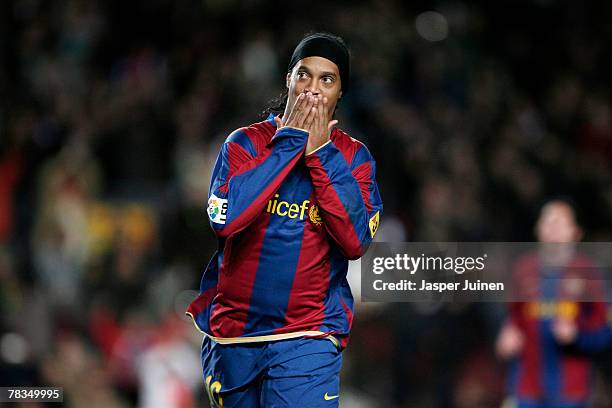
(593, 334)
(243, 181)
(347, 195)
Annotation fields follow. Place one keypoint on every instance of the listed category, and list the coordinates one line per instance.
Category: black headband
(326, 46)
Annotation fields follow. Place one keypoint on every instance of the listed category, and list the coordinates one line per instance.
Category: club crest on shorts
(374, 222)
(217, 209)
(313, 215)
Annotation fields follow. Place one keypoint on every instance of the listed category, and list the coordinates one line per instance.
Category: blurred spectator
(551, 335)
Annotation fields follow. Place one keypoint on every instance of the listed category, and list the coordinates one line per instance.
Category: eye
(301, 74)
(328, 79)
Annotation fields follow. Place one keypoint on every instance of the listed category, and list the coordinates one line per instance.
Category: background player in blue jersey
(291, 200)
(552, 338)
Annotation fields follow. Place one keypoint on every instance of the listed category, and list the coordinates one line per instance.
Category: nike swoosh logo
(330, 397)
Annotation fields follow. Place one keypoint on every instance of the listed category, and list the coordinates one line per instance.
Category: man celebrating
(552, 337)
(291, 200)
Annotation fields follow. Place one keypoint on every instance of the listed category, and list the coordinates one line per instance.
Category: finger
(321, 114)
(300, 111)
(278, 121)
(307, 118)
(310, 118)
(331, 124)
(316, 123)
(326, 107)
(305, 111)
(299, 101)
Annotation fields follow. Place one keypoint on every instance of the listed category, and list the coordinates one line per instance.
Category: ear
(340, 95)
(288, 79)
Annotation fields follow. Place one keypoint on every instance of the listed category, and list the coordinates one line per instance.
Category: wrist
(312, 149)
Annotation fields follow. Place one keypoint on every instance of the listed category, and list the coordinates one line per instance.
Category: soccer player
(552, 337)
(291, 200)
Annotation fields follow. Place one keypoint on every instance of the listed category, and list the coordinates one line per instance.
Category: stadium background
(111, 115)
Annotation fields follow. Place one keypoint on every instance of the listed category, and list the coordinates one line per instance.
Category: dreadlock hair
(276, 106)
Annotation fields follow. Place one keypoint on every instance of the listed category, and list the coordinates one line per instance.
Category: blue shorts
(298, 372)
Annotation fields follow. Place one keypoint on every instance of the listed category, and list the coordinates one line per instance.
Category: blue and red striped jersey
(545, 370)
(287, 224)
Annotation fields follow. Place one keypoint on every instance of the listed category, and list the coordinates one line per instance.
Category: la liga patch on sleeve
(217, 209)
(374, 221)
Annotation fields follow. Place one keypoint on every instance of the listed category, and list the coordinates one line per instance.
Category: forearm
(593, 340)
(347, 205)
(243, 195)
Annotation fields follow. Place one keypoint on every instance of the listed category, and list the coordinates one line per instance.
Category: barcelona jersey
(287, 224)
(547, 372)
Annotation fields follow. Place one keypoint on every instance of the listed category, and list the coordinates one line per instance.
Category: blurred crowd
(111, 117)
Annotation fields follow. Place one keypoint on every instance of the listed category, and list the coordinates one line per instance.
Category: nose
(312, 87)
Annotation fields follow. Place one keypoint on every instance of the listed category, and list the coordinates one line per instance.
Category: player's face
(317, 75)
(557, 223)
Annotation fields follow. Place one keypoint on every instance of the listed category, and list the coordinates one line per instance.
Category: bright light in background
(432, 26)
(13, 348)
